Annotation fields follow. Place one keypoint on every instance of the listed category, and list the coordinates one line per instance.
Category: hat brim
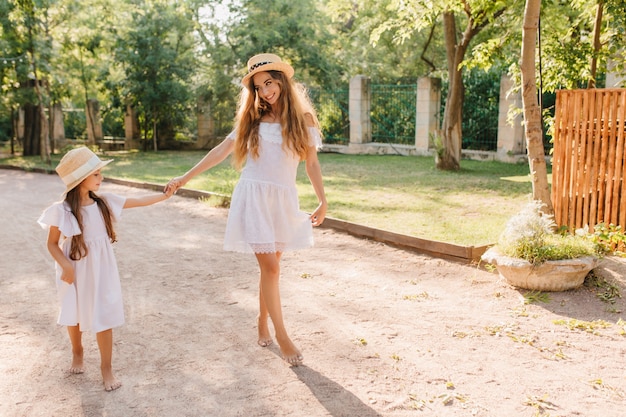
(272, 66)
(75, 183)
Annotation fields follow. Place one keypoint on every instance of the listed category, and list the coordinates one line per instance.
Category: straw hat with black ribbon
(266, 62)
(78, 164)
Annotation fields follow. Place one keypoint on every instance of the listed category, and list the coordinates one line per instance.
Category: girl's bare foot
(77, 366)
(265, 339)
(110, 382)
(290, 352)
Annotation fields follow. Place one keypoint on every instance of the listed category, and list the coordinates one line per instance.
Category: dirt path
(384, 332)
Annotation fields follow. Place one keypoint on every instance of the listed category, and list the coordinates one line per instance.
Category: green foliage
(384, 44)
(532, 297)
(163, 56)
(606, 291)
(157, 57)
(609, 238)
(530, 235)
(295, 30)
(332, 111)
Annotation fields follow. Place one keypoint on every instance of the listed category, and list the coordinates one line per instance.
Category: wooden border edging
(448, 251)
(436, 249)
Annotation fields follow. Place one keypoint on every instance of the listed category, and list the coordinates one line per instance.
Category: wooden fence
(588, 165)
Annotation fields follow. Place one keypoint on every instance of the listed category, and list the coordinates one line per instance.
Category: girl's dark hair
(78, 248)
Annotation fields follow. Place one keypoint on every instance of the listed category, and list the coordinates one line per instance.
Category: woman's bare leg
(76, 339)
(105, 343)
(269, 264)
(265, 339)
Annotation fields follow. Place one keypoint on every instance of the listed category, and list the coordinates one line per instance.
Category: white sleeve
(60, 215)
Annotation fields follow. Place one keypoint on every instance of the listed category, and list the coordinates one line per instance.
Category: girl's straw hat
(266, 62)
(78, 164)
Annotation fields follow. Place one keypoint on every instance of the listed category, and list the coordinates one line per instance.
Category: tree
(157, 55)
(532, 113)
(83, 52)
(366, 42)
(417, 16)
(27, 27)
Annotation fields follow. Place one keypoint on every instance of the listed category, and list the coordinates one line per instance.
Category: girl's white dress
(94, 301)
(264, 215)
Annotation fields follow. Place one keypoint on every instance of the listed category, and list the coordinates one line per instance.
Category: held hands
(318, 216)
(173, 185)
(168, 191)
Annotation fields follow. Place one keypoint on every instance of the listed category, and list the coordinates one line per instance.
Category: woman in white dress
(80, 237)
(276, 128)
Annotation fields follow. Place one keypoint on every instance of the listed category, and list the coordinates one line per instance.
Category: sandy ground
(384, 332)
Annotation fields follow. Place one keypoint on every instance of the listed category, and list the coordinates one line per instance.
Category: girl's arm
(214, 157)
(314, 171)
(54, 235)
(147, 200)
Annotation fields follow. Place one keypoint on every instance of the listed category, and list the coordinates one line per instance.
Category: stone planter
(558, 275)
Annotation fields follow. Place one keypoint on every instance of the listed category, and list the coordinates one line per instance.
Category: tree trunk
(597, 29)
(94, 125)
(448, 155)
(31, 142)
(532, 112)
(154, 135)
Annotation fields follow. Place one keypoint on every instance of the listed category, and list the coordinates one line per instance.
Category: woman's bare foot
(290, 352)
(77, 366)
(265, 339)
(110, 382)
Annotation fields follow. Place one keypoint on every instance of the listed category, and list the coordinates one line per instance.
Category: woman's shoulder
(309, 119)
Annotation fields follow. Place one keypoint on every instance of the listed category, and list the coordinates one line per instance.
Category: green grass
(406, 195)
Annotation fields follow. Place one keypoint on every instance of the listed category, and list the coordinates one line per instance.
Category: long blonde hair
(78, 248)
(295, 108)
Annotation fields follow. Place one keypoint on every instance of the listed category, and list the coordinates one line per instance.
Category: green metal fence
(393, 113)
(332, 111)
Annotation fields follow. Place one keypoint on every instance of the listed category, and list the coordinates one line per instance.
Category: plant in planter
(529, 254)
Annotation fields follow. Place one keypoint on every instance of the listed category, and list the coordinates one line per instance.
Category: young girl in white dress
(80, 237)
(276, 128)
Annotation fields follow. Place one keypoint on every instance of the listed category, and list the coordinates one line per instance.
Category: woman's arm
(214, 157)
(314, 172)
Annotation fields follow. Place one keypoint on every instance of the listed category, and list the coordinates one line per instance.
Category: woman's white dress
(94, 301)
(264, 215)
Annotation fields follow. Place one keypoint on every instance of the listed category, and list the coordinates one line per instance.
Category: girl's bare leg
(105, 343)
(269, 264)
(76, 339)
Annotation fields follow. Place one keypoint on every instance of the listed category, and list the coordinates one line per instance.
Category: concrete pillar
(359, 110)
(58, 128)
(21, 124)
(615, 79)
(511, 141)
(131, 128)
(94, 124)
(206, 126)
(427, 112)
